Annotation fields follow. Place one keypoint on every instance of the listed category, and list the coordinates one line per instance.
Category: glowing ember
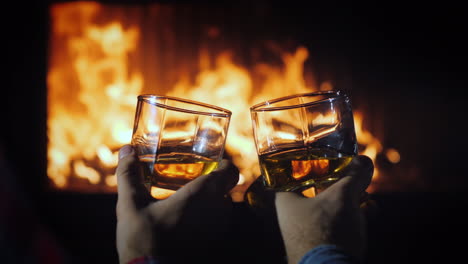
(393, 155)
(93, 90)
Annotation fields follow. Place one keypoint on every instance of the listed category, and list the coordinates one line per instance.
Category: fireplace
(101, 56)
(404, 75)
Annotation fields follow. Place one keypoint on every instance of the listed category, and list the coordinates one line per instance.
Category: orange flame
(93, 90)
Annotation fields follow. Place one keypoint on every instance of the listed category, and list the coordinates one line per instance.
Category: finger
(217, 183)
(358, 176)
(225, 177)
(360, 170)
(132, 194)
(286, 199)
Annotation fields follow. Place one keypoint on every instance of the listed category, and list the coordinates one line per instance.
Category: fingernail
(125, 151)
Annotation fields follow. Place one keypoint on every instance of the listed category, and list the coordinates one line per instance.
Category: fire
(91, 93)
(302, 168)
(93, 89)
(371, 143)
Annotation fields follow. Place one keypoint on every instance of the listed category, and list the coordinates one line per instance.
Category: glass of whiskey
(304, 140)
(178, 140)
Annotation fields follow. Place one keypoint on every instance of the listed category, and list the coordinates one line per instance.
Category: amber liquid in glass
(174, 170)
(298, 168)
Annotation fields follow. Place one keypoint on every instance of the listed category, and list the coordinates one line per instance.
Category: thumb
(132, 194)
(284, 200)
(358, 176)
(217, 183)
(360, 170)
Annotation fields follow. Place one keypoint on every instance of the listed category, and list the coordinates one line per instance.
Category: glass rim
(222, 111)
(263, 106)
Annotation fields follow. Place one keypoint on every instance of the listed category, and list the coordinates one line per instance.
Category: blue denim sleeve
(324, 254)
(327, 254)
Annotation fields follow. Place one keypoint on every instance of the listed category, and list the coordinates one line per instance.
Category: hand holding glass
(178, 140)
(304, 140)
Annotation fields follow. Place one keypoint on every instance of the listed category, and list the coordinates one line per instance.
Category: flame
(372, 145)
(86, 172)
(93, 90)
(90, 117)
(302, 168)
(230, 86)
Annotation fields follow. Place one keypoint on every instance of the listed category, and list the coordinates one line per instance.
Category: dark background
(403, 62)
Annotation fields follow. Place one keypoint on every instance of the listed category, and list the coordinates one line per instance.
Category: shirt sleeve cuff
(327, 254)
(144, 260)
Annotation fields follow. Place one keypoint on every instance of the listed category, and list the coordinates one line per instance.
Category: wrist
(128, 255)
(295, 250)
(328, 253)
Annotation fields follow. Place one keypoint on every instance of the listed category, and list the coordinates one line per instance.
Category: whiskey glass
(178, 140)
(304, 140)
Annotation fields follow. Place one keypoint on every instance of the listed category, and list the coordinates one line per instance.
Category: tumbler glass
(304, 140)
(178, 140)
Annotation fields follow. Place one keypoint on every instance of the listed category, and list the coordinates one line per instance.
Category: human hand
(331, 217)
(189, 222)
